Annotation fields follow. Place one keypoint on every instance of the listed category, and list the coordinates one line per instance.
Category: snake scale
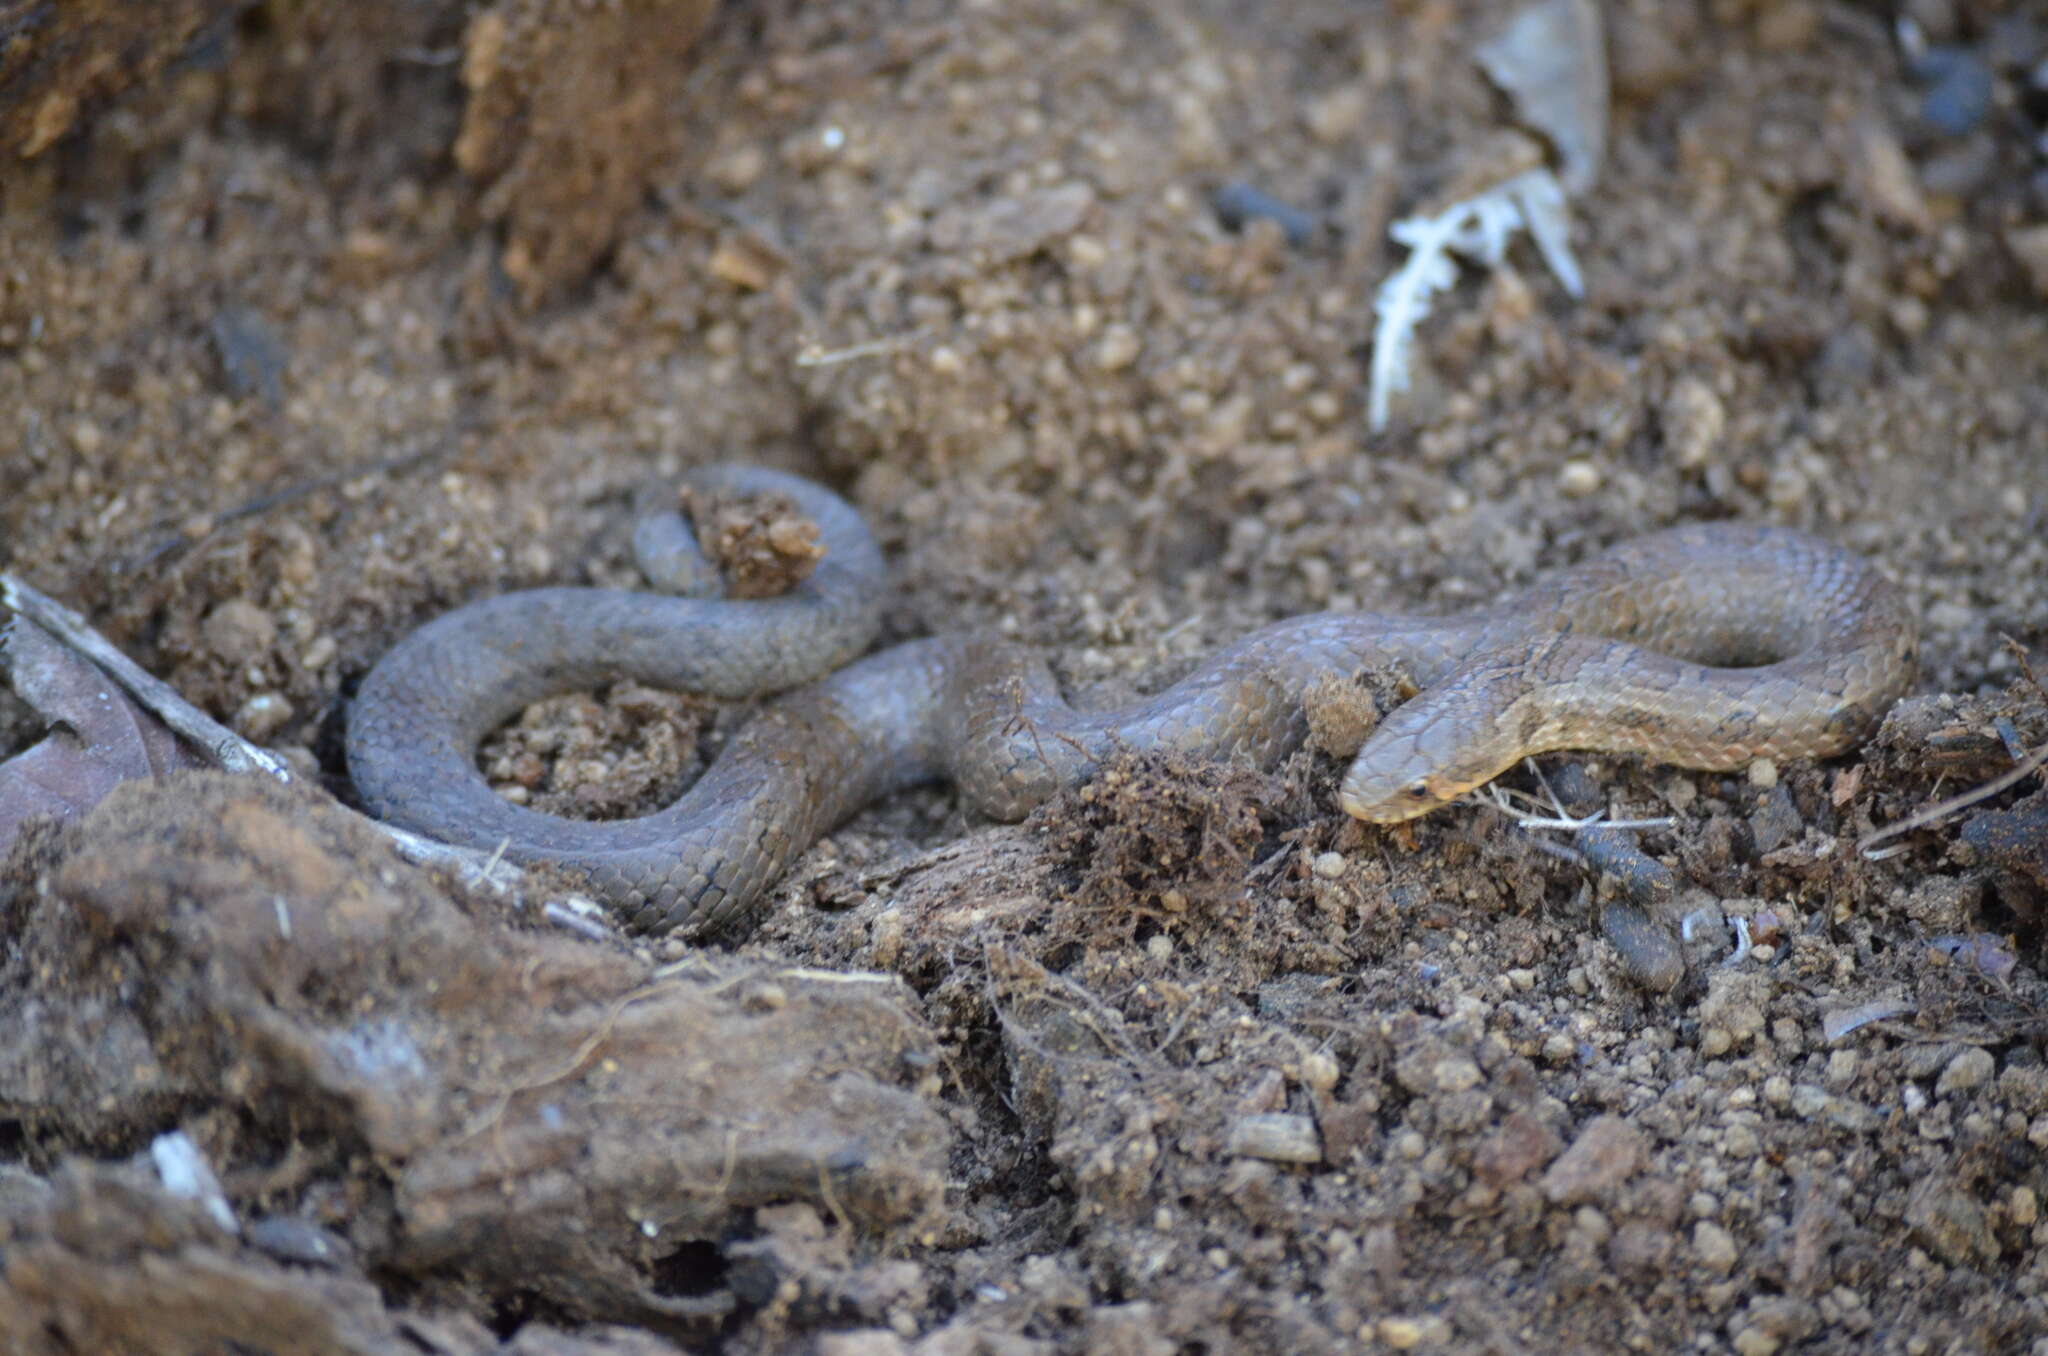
(1707, 646)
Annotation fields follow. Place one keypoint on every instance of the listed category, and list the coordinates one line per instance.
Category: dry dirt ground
(1187, 1062)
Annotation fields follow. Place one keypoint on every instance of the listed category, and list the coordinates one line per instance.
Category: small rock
(1809, 1102)
(1755, 1342)
(1578, 479)
(239, 631)
(1277, 1137)
(252, 362)
(1406, 1334)
(262, 716)
(290, 1239)
(1456, 1073)
(1606, 1154)
(2025, 1086)
(1319, 1071)
(1928, 1059)
(1133, 1329)
(1842, 1068)
(1776, 822)
(861, 1342)
(1959, 85)
(1714, 1247)
(1763, 773)
(1886, 180)
(1693, 420)
(1786, 1318)
(1735, 1004)
(1118, 348)
(1520, 1145)
(1238, 204)
(1972, 1068)
(1950, 1223)
(1329, 865)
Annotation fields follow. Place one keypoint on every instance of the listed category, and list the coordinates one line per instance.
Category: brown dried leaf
(99, 737)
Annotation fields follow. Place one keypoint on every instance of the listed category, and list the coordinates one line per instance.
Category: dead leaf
(99, 738)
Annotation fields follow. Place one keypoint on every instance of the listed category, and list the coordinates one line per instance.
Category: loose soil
(1188, 1061)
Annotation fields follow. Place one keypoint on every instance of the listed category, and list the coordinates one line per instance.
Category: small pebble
(1970, 1069)
(239, 631)
(1959, 86)
(1608, 1151)
(1456, 1074)
(2029, 245)
(1237, 204)
(1118, 349)
(1277, 1137)
(1763, 774)
(1329, 865)
(262, 716)
(1714, 1247)
(1578, 479)
(1319, 1071)
(1755, 1342)
(1405, 1334)
(299, 1241)
(1842, 1066)
(1692, 420)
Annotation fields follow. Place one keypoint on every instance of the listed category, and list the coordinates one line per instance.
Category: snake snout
(1394, 779)
(1377, 799)
(1426, 754)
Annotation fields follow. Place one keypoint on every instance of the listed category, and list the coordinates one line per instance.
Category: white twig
(1743, 945)
(1502, 800)
(228, 749)
(478, 870)
(217, 741)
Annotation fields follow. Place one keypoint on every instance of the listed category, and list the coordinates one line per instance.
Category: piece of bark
(570, 109)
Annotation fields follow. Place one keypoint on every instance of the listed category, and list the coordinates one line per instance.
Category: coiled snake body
(1706, 646)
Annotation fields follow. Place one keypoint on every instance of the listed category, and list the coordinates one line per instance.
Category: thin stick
(1934, 814)
(223, 745)
(813, 356)
(229, 750)
(1561, 820)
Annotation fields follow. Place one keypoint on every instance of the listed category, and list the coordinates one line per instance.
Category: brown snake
(1707, 646)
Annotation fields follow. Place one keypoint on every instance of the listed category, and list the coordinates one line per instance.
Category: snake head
(1454, 737)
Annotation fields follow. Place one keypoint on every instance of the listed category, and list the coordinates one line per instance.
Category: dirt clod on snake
(1707, 646)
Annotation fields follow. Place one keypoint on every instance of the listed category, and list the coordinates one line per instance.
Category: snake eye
(1416, 790)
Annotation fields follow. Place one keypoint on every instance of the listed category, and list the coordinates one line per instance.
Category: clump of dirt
(584, 758)
(762, 543)
(1189, 1058)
